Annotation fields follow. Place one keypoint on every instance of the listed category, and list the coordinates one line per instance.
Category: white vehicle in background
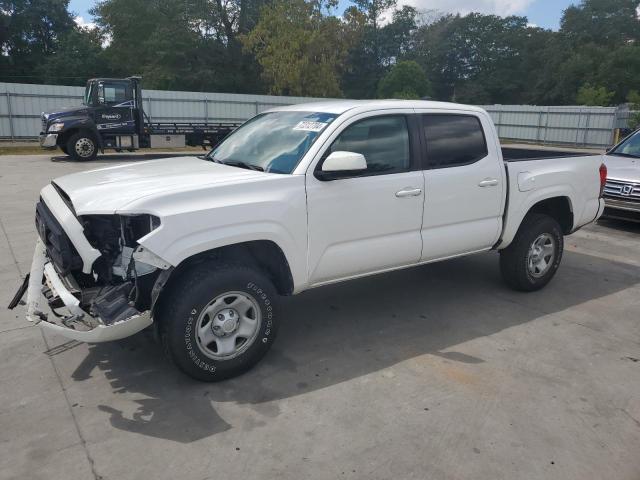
(296, 198)
(622, 191)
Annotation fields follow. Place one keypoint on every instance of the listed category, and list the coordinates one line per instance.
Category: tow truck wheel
(218, 321)
(82, 146)
(64, 149)
(533, 257)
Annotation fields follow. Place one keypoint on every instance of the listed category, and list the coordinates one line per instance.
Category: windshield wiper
(234, 163)
(240, 164)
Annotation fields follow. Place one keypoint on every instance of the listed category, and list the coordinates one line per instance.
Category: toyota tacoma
(296, 198)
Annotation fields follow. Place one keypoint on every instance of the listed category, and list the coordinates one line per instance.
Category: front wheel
(219, 321)
(82, 146)
(534, 256)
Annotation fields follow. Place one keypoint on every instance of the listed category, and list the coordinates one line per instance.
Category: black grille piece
(59, 247)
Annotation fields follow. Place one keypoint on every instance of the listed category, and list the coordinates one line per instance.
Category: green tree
(593, 95)
(405, 80)
(186, 45)
(301, 51)
(468, 55)
(80, 52)
(31, 30)
(378, 46)
(605, 22)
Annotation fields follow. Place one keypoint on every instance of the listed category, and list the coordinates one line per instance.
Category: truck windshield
(628, 148)
(274, 142)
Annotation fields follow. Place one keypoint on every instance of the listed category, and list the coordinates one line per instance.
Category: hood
(67, 112)
(623, 168)
(107, 190)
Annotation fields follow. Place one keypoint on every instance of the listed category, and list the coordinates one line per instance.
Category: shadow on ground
(621, 225)
(337, 333)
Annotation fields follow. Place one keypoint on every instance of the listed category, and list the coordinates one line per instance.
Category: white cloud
(81, 22)
(497, 7)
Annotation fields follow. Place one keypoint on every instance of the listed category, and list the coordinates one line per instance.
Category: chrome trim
(618, 204)
(622, 189)
(49, 140)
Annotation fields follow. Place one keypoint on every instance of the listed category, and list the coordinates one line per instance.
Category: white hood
(623, 168)
(107, 190)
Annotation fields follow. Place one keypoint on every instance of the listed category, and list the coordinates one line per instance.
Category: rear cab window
(453, 139)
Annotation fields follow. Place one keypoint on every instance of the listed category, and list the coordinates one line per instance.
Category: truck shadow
(338, 333)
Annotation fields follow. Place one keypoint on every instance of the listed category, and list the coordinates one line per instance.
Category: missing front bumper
(43, 276)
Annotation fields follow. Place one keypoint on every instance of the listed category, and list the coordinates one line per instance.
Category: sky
(543, 13)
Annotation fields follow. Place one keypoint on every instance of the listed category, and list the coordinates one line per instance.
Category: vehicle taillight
(603, 178)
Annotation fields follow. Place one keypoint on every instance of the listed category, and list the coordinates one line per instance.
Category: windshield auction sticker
(310, 126)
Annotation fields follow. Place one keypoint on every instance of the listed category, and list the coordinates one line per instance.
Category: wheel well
(558, 208)
(263, 254)
(63, 138)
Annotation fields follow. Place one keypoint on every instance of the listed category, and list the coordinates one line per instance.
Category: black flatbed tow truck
(112, 117)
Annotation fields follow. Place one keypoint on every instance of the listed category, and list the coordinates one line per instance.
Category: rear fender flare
(513, 221)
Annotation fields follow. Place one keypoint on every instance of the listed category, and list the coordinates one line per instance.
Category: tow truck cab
(112, 117)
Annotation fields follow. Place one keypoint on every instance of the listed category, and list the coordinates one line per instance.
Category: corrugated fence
(22, 104)
(571, 126)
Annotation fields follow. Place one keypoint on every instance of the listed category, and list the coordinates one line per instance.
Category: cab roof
(341, 106)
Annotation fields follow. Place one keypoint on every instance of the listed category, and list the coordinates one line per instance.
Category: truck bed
(519, 154)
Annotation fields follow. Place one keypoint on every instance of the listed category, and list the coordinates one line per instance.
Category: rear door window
(453, 140)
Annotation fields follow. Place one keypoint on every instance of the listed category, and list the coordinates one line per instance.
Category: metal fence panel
(22, 104)
(570, 125)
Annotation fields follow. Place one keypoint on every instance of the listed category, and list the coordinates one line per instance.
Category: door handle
(409, 192)
(488, 182)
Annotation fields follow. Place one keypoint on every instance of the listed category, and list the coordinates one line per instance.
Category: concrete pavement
(437, 372)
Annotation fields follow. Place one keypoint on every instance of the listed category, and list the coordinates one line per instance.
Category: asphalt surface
(437, 372)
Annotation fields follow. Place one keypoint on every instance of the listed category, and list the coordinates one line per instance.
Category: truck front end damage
(91, 280)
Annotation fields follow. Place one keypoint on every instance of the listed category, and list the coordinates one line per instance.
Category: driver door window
(384, 142)
(114, 93)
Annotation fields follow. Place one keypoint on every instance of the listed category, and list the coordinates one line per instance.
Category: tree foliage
(594, 96)
(406, 79)
(31, 31)
(310, 47)
(301, 51)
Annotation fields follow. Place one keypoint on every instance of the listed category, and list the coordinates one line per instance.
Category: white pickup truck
(296, 198)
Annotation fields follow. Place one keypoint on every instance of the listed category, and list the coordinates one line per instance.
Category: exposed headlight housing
(56, 127)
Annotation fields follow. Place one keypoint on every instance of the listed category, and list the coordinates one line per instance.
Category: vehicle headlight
(56, 127)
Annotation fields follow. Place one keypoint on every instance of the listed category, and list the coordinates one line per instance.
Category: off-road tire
(84, 141)
(180, 309)
(514, 260)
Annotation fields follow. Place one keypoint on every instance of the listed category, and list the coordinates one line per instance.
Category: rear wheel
(82, 146)
(219, 321)
(534, 256)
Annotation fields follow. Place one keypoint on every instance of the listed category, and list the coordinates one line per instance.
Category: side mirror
(342, 164)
